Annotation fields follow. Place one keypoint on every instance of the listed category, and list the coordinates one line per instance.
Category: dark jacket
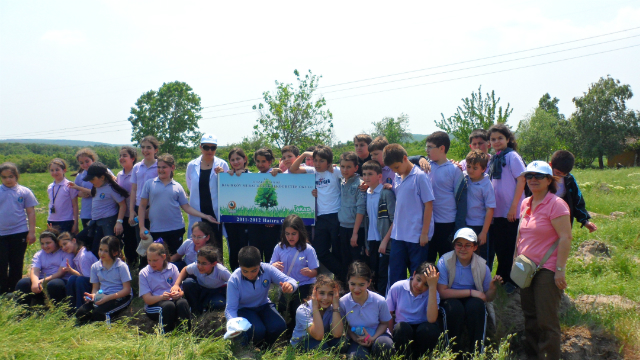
(573, 198)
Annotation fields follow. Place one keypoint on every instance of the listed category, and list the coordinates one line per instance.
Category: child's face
(164, 170)
(362, 149)
(199, 238)
(558, 173)
(48, 245)
(237, 161)
(402, 168)
(376, 155)
(250, 273)
(371, 178)
(475, 171)
(57, 173)
(320, 164)
(498, 141)
(125, 159)
(97, 181)
(478, 143)
(348, 168)
(464, 249)
(8, 178)
(418, 284)
(292, 235)
(148, 151)
(358, 286)
(263, 164)
(103, 253)
(204, 265)
(288, 158)
(155, 261)
(324, 296)
(308, 161)
(435, 153)
(69, 246)
(85, 162)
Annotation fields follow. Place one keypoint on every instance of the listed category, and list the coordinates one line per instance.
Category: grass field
(258, 211)
(605, 191)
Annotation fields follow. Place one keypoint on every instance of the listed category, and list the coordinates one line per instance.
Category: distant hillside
(59, 142)
(418, 137)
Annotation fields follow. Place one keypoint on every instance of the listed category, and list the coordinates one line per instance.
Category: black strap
(56, 193)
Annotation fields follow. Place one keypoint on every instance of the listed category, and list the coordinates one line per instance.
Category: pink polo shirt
(537, 234)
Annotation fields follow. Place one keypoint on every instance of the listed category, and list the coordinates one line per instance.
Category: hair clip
(159, 241)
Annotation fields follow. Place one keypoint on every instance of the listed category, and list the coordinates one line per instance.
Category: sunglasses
(209, 148)
(530, 176)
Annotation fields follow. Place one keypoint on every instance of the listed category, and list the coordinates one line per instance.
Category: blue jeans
(201, 298)
(266, 324)
(76, 287)
(405, 256)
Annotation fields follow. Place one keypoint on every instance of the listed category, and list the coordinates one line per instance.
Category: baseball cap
(539, 167)
(209, 139)
(236, 326)
(96, 169)
(467, 234)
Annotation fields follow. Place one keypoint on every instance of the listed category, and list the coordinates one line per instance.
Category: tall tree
(550, 105)
(602, 120)
(292, 116)
(476, 112)
(395, 130)
(170, 114)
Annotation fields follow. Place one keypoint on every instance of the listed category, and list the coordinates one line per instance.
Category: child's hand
(336, 298)
(482, 238)
(314, 192)
(496, 279)
(88, 297)
(31, 238)
(218, 169)
(424, 239)
(132, 218)
(118, 229)
(175, 289)
(66, 268)
(456, 164)
(103, 300)
(275, 171)
(364, 340)
(306, 272)
(366, 252)
(363, 187)
(142, 230)
(175, 295)
(511, 215)
(424, 165)
(314, 300)
(478, 294)
(354, 240)
(286, 287)
(278, 265)
(37, 287)
(387, 186)
(382, 249)
(432, 276)
(74, 228)
(166, 296)
(591, 226)
(231, 172)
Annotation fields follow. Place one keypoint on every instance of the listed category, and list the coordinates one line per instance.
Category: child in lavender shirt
(202, 234)
(79, 269)
(63, 203)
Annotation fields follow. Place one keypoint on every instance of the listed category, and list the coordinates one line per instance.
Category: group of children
(381, 212)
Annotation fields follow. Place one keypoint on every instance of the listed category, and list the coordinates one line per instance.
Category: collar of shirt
(544, 201)
(62, 182)
(355, 177)
(116, 264)
(260, 272)
(414, 170)
(378, 189)
(157, 179)
(5, 188)
(369, 299)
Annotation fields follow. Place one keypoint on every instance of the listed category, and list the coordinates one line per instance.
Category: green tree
(476, 112)
(170, 114)
(539, 134)
(266, 196)
(293, 117)
(395, 130)
(602, 120)
(550, 105)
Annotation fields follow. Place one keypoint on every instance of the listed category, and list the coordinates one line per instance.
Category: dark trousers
(130, 242)
(56, 289)
(95, 230)
(265, 238)
(348, 253)
(76, 287)
(61, 226)
(540, 304)
(12, 249)
(405, 256)
(91, 312)
(486, 251)
(440, 243)
(217, 236)
(294, 299)
(382, 348)
(172, 238)
(309, 343)
(173, 312)
(237, 238)
(266, 324)
(379, 264)
(414, 340)
(84, 223)
(201, 298)
(327, 231)
(469, 311)
(503, 234)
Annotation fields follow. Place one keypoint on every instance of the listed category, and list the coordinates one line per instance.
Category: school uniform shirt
(505, 187)
(63, 195)
(111, 279)
(408, 307)
(218, 277)
(444, 179)
(105, 203)
(49, 264)
(140, 173)
(244, 293)
(193, 184)
(165, 201)
(304, 320)
(411, 194)
(387, 175)
(305, 258)
(82, 262)
(188, 252)
(463, 165)
(124, 180)
(86, 207)
(328, 186)
(373, 199)
(157, 282)
(369, 315)
(14, 201)
(480, 197)
(464, 277)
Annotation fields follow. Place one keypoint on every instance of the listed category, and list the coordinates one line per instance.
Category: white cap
(467, 234)
(539, 167)
(209, 139)
(236, 326)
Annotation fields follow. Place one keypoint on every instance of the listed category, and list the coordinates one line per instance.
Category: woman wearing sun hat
(202, 182)
(544, 219)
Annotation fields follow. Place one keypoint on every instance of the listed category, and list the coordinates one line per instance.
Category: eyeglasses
(209, 148)
(466, 246)
(202, 237)
(430, 148)
(530, 176)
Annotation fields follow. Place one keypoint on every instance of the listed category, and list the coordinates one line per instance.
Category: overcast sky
(79, 66)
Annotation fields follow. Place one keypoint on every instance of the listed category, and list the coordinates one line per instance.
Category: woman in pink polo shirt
(544, 218)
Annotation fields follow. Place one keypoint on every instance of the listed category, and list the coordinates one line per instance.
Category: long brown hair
(114, 247)
(295, 222)
(87, 153)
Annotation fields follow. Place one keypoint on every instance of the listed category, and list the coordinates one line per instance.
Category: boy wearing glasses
(465, 285)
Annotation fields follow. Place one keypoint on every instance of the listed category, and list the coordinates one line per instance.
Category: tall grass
(258, 211)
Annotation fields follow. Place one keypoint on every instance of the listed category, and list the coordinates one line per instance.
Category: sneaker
(509, 288)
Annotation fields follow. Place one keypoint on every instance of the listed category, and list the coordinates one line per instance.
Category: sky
(74, 69)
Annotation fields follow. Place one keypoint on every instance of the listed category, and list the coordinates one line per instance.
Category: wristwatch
(120, 221)
(558, 268)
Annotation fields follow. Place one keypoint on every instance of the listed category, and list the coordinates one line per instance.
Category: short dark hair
(479, 133)
(440, 138)
(323, 152)
(563, 160)
(267, 153)
(292, 149)
(349, 156)
(378, 143)
(393, 153)
(477, 157)
(249, 256)
(209, 252)
(424, 267)
(372, 165)
(362, 137)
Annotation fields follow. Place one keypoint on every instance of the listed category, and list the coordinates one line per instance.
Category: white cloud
(64, 37)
